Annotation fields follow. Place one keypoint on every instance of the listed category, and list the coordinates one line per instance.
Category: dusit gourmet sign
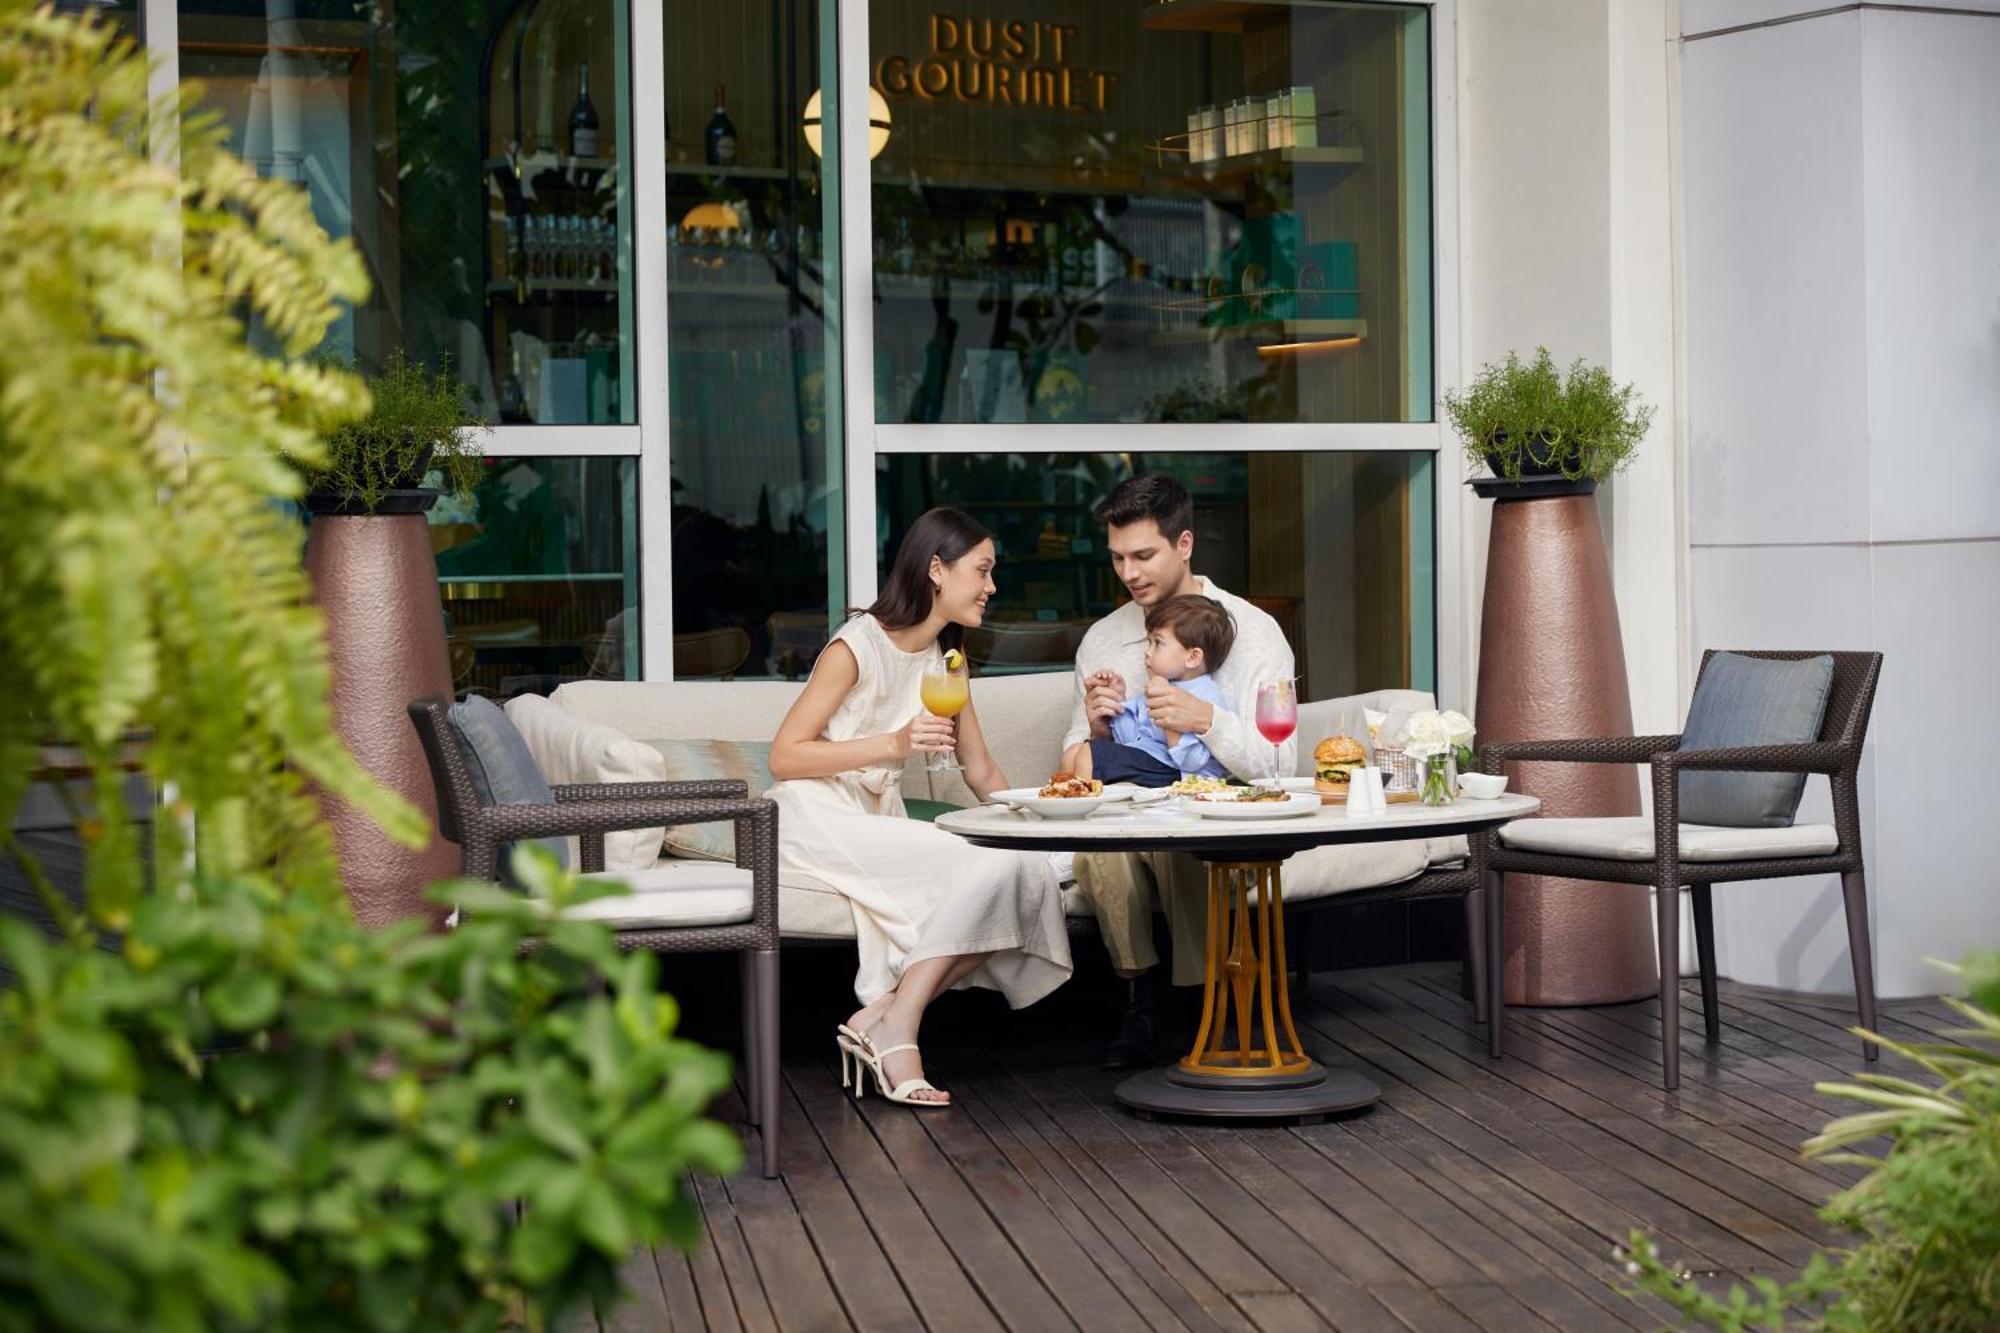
(1018, 63)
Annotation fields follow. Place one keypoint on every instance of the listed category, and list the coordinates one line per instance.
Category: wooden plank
(977, 1243)
(1065, 1270)
(1659, 1149)
(683, 1301)
(1568, 1151)
(860, 1273)
(929, 1272)
(1139, 1236)
(1284, 1257)
(711, 1284)
(644, 1308)
(1281, 1312)
(1501, 1125)
(732, 1251)
(1152, 1295)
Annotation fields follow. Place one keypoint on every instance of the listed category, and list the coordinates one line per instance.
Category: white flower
(1458, 727)
(1433, 733)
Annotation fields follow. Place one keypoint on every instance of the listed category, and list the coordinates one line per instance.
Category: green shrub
(420, 422)
(252, 1114)
(1529, 419)
(258, 1116)
(1926, 1218)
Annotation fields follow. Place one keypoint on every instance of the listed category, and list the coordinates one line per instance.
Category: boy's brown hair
(1198, 622)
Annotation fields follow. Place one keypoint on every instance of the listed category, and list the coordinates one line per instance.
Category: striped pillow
(691, 761)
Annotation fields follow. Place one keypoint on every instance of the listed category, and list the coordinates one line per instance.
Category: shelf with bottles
(542, 255)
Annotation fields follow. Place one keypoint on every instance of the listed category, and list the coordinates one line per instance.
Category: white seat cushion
(1630, 838)
(670, 894)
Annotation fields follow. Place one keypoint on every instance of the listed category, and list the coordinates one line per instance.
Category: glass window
(754, 421)
(477, 154)
(1336, 546)
(540, 574)
(1182, 210)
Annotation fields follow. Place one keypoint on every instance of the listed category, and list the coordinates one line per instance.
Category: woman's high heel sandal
(869, 1059)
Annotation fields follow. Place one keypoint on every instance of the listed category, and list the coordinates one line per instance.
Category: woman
(930, 911)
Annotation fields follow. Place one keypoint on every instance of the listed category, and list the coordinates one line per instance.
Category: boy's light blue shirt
(1134, 726)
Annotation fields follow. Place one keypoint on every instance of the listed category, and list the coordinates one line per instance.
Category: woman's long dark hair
(906, 596)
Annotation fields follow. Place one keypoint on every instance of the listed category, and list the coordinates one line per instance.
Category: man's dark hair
(1198, 622)
(1149, 495)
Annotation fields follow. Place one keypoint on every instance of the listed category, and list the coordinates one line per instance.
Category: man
(1150, 526)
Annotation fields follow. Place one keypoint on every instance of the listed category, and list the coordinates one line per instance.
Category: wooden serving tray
(1393, 798)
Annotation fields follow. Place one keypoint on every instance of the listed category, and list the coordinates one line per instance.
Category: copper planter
(375, 581)
(1552, 665)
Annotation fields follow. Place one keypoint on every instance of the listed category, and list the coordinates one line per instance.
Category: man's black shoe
(1138, 1041)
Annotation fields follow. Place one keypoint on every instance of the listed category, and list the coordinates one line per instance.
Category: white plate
(1287, 784)
(1053, 807)
(1296, 803)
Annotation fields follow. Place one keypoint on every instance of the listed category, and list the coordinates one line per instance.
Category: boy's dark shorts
(1111, 762)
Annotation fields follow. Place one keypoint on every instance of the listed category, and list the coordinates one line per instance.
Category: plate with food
(1251, 803)
(1335, 761)
(1063, 796)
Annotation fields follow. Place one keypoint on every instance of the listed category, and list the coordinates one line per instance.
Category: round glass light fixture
(878, 123)
(714, 216)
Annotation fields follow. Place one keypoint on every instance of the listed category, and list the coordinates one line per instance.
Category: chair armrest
(721, 789)
(1812, 757)
(575, 818)
(1581, 750)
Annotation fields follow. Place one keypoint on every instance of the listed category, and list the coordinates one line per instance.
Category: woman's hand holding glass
(947, 689)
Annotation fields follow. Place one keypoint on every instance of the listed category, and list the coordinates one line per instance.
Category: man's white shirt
(1260, 655)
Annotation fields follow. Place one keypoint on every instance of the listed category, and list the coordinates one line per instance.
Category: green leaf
(244, 1001)
(541, 1248)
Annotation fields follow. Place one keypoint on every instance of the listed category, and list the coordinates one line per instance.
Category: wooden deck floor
(1474, 1196)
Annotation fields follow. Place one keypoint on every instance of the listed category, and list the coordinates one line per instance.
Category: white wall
(1842, 214)
(1565, 112)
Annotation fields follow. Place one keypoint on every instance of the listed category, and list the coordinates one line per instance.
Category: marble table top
(1166, 825)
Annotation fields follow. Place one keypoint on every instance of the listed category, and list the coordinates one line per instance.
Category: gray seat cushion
(672, 894)
(503, 771)
(1630, 838)
(1751, 701)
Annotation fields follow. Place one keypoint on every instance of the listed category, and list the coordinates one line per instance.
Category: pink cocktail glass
(1277, 716)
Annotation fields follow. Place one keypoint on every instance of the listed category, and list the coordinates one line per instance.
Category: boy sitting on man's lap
(1187, 638)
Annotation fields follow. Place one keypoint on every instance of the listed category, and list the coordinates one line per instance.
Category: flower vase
(1439, 776)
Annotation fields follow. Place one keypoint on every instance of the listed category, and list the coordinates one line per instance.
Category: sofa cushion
(503, 769)
(692, 761)
(570, 749)
(671, 894)
(1630, 838)
(1751, 701)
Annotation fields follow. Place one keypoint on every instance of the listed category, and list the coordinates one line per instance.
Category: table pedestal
(1266, 1072)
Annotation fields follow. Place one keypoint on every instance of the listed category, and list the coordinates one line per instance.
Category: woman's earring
(937, 590)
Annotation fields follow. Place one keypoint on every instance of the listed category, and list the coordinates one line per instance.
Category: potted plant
(1551, 658)
(1543, 433)
(419, 423)
(375, 579)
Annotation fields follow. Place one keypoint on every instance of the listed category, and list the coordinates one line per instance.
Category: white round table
(1267, 1072)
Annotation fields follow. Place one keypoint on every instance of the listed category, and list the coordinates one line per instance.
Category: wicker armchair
(1687, 858)
(663, 917)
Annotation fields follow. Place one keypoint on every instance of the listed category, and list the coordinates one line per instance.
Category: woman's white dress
(917, 891)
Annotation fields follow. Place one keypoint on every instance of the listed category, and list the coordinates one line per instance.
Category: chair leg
(1667, 897)
(1496, 961)
(1475, 953)
(753, 1100)
(768, 1076)
(1854, 893)
(1704, 950)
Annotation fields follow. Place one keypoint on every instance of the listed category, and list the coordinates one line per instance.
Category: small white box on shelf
(1305, 117)
(1278, 120)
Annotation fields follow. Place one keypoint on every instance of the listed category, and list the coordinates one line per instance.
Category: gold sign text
(999, 62)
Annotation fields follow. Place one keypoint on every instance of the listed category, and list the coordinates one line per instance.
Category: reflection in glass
(540, 574)
(756, 462)
(1336, 546)
(452, 143)
(1196, 210)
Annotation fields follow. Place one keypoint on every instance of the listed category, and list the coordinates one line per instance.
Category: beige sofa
(586, 732)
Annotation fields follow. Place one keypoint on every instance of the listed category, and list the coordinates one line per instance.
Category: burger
(1334, 762)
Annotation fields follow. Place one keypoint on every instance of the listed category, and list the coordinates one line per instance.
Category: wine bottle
(720, 137)
(583, 118)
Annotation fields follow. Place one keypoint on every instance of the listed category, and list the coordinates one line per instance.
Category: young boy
(1187, 638)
